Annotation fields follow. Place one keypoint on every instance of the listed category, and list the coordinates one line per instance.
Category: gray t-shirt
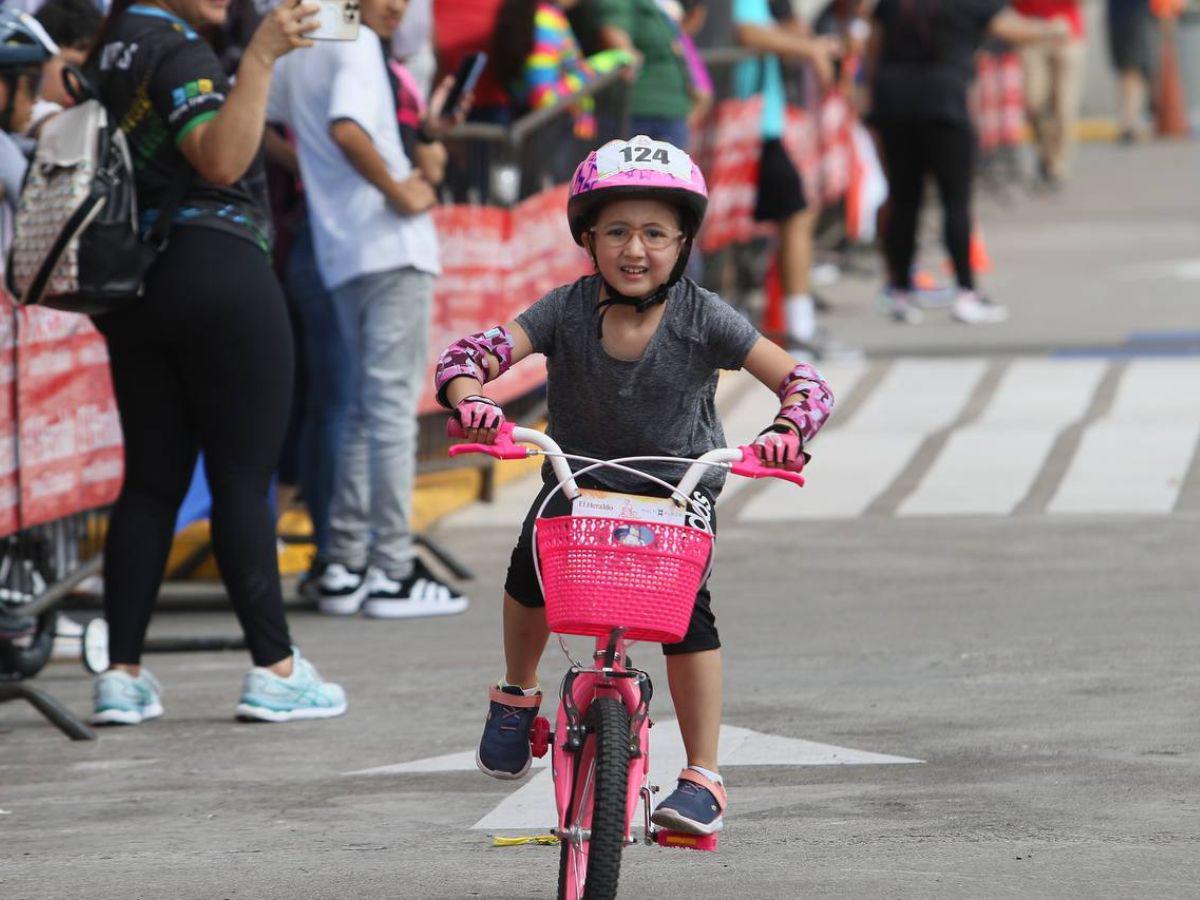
(663, 404)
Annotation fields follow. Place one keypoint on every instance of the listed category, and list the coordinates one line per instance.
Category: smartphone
(340, 20)
(469, 69)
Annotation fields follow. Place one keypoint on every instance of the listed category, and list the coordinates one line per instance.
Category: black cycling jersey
(160, 79)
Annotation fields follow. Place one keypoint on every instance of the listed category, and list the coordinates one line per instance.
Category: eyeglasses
(654, 237)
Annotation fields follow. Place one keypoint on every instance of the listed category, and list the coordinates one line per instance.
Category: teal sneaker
(266, 697)
(121, 699)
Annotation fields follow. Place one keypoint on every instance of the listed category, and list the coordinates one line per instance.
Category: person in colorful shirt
(536, 57)
(535, 54)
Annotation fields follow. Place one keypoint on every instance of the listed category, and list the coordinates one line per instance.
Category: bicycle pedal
(666, 838)
(539, 736)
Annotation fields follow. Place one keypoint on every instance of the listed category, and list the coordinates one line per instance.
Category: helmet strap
(13, 83)
(641, 304)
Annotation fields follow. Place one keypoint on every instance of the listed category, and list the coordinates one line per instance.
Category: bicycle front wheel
(590, 868)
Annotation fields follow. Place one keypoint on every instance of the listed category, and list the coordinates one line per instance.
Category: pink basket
(599, 574)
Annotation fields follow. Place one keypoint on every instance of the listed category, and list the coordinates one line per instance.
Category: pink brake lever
(751, 467)
(504, 448)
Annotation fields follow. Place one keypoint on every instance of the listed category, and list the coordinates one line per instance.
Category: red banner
(999, 101)
(820, 144)
(65, 455)
(9, 495)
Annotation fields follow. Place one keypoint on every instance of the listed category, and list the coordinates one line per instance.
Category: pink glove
(780, 446)
(481, 417)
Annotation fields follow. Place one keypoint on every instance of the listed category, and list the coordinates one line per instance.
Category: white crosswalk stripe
(987, 467)
(859, 459)
(1134, 460)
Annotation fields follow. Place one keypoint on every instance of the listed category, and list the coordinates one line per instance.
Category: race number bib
(643, 154)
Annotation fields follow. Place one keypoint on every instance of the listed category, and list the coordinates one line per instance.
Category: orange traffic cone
(981, 262)
(773, 319)
(924, 280)
(1171, 102)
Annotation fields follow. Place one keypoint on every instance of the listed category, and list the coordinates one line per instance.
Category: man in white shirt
(377, 253)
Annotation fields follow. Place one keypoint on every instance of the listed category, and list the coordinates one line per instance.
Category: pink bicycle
(620, 580)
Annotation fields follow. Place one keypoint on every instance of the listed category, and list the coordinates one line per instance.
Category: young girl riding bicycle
(632, 355)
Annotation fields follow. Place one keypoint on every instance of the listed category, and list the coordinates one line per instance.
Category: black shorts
(780, 185)
(522, 584)
(1132, 42)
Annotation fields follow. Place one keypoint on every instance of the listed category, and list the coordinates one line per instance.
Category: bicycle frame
(572, 754)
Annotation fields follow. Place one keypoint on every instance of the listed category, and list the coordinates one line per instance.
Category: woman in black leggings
(921, 63)
(202, 361)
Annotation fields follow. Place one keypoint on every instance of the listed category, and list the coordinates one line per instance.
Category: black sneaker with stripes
(419, 594)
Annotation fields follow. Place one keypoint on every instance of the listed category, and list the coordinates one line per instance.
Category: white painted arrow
(532, 806)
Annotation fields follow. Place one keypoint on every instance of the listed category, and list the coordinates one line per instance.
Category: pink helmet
(641, 169)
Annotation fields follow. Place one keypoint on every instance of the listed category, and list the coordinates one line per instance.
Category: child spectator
(73, 25)
(370, 177)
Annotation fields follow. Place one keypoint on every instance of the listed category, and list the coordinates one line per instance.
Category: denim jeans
(385, 318)
(326, 394)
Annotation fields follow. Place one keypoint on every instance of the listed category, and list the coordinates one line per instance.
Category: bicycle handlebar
(744, 460)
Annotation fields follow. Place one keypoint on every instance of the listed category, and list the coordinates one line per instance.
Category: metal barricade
(39, 567)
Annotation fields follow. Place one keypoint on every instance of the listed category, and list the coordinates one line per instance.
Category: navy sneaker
(697, 806)
(504, 751)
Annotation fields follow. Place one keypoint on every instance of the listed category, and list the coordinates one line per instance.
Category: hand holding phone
(339, 21)
(284, 29)
(470, 67)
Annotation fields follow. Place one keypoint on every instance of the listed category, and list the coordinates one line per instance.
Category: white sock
(707, 773)
(801, 317)
(528, 692)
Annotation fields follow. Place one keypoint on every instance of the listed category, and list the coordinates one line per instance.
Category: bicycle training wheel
(589, 869)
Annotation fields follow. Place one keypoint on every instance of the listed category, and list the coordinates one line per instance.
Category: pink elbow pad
(468, 356)
(813, 410)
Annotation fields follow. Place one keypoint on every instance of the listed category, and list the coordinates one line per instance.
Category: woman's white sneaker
(972, 308)
(121, 699)
(267, 697)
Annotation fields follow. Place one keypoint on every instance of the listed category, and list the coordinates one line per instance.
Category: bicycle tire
(608, 722)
